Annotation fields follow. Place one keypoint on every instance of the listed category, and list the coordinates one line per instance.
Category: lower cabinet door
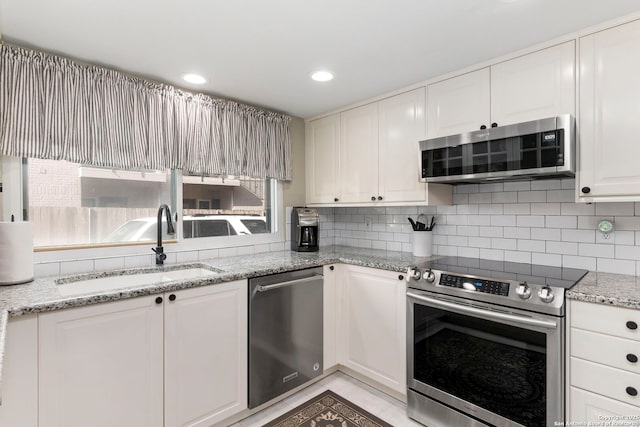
(588, 407)
(20, 373)
(373, 325)
(205, 354)
(101, 365)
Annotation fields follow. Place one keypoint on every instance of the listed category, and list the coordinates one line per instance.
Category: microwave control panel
(475, 284)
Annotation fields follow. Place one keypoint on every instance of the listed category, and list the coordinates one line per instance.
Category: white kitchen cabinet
(332, 279)
(374, 158)
(609, 111)
(372, 323)
(205, 354)
(359, 154)
(177, 359)
(102, 365)
(322, 145)
(604, 348)
(590, 407)
(459, 104)
(530, 87)
(20, 373)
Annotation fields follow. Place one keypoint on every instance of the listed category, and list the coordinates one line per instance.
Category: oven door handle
(487, 314)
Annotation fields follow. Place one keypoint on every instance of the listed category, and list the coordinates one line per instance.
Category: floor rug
(328, 410)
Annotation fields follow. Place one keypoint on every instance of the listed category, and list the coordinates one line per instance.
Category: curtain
(54, 108)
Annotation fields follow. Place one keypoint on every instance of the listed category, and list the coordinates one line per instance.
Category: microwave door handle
(486, 314)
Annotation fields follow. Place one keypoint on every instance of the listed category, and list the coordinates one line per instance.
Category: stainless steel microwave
(537, 149)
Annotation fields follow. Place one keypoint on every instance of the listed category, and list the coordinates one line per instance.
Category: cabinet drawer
(606, 319)
(609, 382)
(612, 351)
(589, 407)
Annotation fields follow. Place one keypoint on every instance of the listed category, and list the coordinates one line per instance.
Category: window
(70, 205)
(226, 206)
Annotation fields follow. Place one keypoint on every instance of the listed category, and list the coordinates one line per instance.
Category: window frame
(13, 200)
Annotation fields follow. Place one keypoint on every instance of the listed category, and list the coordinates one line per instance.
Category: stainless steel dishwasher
(285, 332)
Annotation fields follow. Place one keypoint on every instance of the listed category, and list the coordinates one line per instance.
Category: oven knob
(523, 290)
(413, 274)
(429, 276)
(546, 294)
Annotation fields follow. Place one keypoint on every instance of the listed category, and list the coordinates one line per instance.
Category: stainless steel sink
(86, 284)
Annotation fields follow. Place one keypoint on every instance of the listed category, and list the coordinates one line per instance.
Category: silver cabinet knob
(545, 294)
(523, 290)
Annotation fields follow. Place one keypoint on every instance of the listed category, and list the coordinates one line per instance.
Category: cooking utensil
(413, 224)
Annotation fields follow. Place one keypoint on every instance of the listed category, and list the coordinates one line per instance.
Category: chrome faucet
(160, 255)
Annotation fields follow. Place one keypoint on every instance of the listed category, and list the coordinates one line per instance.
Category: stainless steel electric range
(485, 342)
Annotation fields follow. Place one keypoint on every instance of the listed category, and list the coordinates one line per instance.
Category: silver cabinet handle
(486, 314)
(265, 288)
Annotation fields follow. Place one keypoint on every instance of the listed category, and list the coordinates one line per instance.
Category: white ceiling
(262, 51)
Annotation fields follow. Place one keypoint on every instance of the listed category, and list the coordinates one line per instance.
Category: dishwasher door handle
(265, 288)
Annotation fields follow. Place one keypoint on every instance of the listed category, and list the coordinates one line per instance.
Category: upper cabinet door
(457, 105)
(401, 125)
(534, 86)
(609, 111)
(322, 145)
(359, 154)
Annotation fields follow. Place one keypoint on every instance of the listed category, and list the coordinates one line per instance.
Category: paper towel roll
(16, 253)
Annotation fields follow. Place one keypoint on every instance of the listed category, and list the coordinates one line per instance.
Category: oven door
(479, 362)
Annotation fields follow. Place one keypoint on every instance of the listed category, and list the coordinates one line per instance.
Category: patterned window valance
(54, 108)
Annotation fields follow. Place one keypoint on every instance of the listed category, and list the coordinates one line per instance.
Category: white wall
(526, 221)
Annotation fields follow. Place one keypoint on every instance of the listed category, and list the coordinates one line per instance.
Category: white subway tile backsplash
(46, 269)
(401, 237)
(503, 220)
(627, 252)
(546, 234)
(517, 256)
(394, 246)
(530, 221)
(494, 187)
(596, 251)
(533, 196)
(563, 248)
(577, 209)
(586, 236)
(615, 209)
(491, 231)
(504, 197)
(547, 259)
(517, 209)
(458, 241)
(225, 252)
(457, 220)
(465, 188)
(509, 244)
(468, 230)
(478, 198)
(493, 254)
(467, 209)
(627, 223)
(546, 184)
(568, 221)
(585, 262)
(469, 252)
(460, 199)
(561, 196)
(517, 186)
(112, 263)
(545, 208)
(208, 254)
(186, 256)
(531, 245)
(138, 261)
(377, 244)
(79, 266)
(616, 266)
(569, 184)
(480, 242)
(447, 210)
(517, 232)
(491, 209)
(479, 220)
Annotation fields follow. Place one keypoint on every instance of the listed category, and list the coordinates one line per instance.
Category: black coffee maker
(304, 229)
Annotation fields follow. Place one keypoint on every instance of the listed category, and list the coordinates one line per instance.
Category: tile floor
(379, 404)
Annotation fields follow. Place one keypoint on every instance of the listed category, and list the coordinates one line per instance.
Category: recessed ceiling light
(195, 79)
(322, 76)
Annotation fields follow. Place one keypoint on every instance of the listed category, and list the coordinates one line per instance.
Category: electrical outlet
(367, 224)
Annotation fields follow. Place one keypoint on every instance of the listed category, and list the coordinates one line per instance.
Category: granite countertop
(43, 294)
(607, 288)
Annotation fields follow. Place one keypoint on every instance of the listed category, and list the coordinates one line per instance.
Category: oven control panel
(475, 284)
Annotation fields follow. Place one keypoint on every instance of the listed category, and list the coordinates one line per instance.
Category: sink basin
(124, 279)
